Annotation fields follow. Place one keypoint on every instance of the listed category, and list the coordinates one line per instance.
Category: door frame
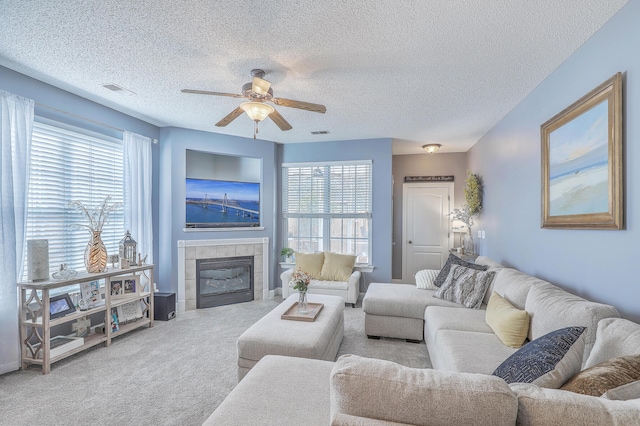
(405, 187)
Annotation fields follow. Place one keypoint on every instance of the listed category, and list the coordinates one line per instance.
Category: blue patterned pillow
(548, 361)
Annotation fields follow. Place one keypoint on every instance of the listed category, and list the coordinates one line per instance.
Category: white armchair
(348, 290)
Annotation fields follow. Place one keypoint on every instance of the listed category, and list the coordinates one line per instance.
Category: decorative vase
(303, 306)
(467, 242)
(95, 255)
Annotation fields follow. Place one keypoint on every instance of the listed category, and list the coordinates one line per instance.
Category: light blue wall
(378, 150)
(599, 265)
(174, 142)
(57, 104)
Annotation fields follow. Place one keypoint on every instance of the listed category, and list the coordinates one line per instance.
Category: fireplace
(224, 281)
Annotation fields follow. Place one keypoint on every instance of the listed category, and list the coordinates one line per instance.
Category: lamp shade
(431, 148)
(257, 111)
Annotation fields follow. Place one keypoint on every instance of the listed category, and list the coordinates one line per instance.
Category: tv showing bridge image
(222, 204)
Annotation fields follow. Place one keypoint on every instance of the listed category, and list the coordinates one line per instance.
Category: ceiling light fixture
(431, 147)
(257, 111)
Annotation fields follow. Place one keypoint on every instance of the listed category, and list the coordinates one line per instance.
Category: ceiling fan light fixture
(257, 111)
(431, 147)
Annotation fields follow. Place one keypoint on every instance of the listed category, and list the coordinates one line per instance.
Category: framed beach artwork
(582, 162)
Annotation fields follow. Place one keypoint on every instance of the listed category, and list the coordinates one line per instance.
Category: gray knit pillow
(455, 260)
(465, 286)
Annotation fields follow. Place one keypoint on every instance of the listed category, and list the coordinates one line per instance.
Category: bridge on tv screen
(225, 205)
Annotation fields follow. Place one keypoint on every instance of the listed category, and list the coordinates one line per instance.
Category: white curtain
(16, 126)
(137, 191)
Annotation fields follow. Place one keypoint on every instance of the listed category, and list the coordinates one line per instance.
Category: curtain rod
(85, 119)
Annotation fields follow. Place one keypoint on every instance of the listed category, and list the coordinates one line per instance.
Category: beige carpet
(173, 374)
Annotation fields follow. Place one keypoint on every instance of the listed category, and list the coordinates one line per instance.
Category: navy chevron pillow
(548, 361)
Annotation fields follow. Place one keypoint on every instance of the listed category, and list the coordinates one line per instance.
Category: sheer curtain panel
(16, 126)
(137, 191)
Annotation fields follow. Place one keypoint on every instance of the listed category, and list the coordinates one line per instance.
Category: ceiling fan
(258, 92)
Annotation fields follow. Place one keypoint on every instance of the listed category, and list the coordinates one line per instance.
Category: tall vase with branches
(95, 254)
(471, 208)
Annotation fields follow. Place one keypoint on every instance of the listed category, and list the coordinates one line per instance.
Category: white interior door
(426, 228)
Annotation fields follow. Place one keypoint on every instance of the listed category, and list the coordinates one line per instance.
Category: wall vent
(320, 132)
(118, 89)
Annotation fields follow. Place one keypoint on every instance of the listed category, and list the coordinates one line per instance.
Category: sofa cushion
(541, 407)
(624, 392)
(465, 286)
(337, 267)
(383, 390)
(605, 376)
(487, 261)
(614, 337)
(552, 308)
(455, 260)
(425, 278)
(510, 324)
(400, 300)
(446, 318)
(311, 263)
(469, 351)
(548, 361)
(513, 285)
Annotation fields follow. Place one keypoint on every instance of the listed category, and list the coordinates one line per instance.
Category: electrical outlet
(482, 234)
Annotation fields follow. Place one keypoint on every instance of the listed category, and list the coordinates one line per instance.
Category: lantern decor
(128, 248)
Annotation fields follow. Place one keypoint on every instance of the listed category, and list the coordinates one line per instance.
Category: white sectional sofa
(460, 389)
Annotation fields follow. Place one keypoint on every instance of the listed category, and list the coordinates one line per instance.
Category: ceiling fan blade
(280, 121)
(307, 106)
(260, 86)
(230, 117)
(204, 92)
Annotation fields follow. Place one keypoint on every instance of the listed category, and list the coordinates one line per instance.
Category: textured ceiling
(417, 71)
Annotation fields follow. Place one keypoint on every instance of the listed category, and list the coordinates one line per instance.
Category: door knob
(410, 242)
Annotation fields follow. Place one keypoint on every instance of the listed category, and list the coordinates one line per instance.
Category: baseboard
(396, 281)
(275, 292)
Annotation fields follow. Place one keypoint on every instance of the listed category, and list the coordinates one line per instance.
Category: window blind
(68, 165)
(331, 190)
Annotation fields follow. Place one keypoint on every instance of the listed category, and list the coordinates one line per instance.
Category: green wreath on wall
(473, 193)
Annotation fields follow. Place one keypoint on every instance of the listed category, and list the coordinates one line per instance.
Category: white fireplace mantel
(191, 250)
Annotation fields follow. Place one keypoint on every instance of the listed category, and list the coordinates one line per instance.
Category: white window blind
(68, 165)
(327, 207)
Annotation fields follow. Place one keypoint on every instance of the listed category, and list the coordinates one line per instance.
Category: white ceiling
(417, 71)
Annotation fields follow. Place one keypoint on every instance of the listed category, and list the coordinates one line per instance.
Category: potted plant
(287, 253)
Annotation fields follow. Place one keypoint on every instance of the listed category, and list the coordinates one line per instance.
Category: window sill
(361, 268)
(253, 228)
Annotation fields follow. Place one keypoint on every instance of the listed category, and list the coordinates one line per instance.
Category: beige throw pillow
(510, 324)
(337, 267)
(607, 375)
(311, 263)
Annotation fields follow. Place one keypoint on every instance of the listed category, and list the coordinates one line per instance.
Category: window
(68, 164)
(327, 207)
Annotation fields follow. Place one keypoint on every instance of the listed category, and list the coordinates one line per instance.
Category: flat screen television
(222, 204)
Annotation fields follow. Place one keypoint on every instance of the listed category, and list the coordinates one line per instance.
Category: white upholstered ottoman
(272, 335)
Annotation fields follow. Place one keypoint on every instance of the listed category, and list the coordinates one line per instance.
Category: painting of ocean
(579, 165)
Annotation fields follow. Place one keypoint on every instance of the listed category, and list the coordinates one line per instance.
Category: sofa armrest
(543, 406)
(383, 390)
(286, 277)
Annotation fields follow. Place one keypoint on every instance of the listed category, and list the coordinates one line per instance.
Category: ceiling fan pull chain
(255, 129)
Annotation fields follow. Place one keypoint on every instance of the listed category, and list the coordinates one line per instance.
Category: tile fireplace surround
(191, 250)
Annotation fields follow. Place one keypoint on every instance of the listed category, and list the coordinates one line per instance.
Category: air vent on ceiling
(320, 132)
(118, 89)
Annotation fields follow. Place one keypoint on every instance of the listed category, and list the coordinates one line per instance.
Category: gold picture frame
(582, 162)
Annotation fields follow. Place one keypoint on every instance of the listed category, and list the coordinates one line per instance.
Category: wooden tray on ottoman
(292, 314)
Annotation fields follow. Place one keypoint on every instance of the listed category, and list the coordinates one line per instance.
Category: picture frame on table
(91, 293)
(582, 168)
(60, 306)
(124, 286)
(131, 284)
